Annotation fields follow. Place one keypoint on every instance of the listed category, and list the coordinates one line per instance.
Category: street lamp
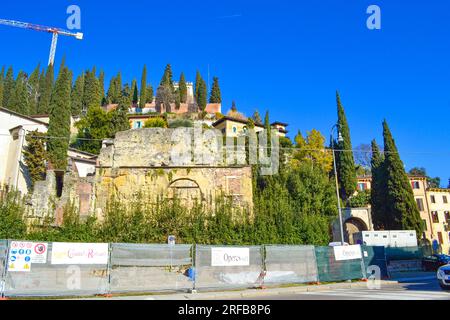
(340, 139)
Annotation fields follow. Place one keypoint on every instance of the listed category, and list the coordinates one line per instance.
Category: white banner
(224, 257)
(347, 252)
(79, 253)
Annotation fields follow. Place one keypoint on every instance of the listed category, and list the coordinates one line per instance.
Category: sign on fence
(224, 257)
(79, 253)
(347, 252)
(23, 253)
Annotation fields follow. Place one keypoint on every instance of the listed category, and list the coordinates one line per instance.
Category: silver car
(443, 276)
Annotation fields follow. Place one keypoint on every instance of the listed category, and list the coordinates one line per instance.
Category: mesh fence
(290, 264)
(225, 267)
(150, 267)
(375, 256)
(3, 257)
(331, 270)
(407, 253)
(47, 279)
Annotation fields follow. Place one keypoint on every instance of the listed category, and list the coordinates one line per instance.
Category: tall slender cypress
(143, 98)
(401, 207)
(215, 96)
(76, 104)
(202, 95)
(182, 88)
(19, 98)
(345, 160)
(101, 83)
(46, 91)
(378, 189)
(198, 80)
(2, 78)
(33, 90)
(8, 87)
(59, 121)
(134, 92)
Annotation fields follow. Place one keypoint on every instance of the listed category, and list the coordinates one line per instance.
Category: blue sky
(285, 56)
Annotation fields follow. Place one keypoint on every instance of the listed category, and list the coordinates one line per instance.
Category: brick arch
(185, 189)
(351, 226)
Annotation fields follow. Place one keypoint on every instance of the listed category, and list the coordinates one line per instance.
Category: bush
(181, 123)
(12, 225)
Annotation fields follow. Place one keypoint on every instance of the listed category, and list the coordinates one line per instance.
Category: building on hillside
(190, 91)
(137, 121)
(45, 118)
(280, 127)
(13, 129)
(432, 204)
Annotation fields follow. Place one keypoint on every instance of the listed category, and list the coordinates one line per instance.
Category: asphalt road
(420, 290)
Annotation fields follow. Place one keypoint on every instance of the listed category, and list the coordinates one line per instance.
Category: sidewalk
(249, 293)
(401, 277)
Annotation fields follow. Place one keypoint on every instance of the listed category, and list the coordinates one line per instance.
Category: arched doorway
(351, 226)
(186, 190)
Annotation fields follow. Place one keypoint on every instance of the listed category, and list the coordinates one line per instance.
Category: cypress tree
(198, 80)
(2, 76)
(182, 88)
(101, 82)
(256, 117)
(33, 93)
(401, 207)
(345, 161)
(119, 86)
(167, 78)
(46, 91)
(149, 94)
(202, 95)
(215, 96)
(134, 92)
(77, 96)
(59, 122)
(91, 92)
(378, 189)
(143, 98)
(35, 155)
(19, 98)
(8, 87)
(111, 95)
(233, 106)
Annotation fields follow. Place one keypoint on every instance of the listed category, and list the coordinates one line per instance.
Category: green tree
(77, 94)
(59, 120)
(143, 97)
(311, 150)
(35, 155)
(134, 92)
(256, 117)
(215, 96)
(101, 83)
(198, 80)
(378, 189)
(422, 172)
(202, 95)
(401, 207)
(2, 80)
(46, 89)
(8, 87)
(149, 95)
(155, 123)
(167, 78)
(12, 208)
(33, 90)
(182, 88)
(19, 98)
(91, 93)
(344, 159)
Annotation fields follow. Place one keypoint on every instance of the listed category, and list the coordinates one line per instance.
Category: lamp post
(340, 139)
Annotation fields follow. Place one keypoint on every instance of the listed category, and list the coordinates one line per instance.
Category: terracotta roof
(280, 123)
(227, 118)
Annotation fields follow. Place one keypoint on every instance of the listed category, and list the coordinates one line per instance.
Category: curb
(403, 280)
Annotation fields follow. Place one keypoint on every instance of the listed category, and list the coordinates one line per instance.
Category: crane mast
(54, 31)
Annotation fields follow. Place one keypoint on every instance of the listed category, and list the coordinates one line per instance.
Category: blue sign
(13, 258)
(21, 251)
(28, 252)
(27, 258)
(14, 251)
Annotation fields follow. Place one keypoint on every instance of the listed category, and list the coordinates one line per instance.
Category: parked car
(443, 276)
(432, 263)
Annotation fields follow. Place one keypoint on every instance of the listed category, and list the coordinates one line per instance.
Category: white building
(13, 129)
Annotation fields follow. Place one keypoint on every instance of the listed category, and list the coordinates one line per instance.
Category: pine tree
(143, 98)
(182, 88)
(77, 96)
(233, 106)
(119, 86)
(111, 95)
(256, 117)
(101, 82)
(202, 95)
(215, 96)
(401, 207)
(59, 122)
(345, 161)
(46, 89)
(19, 98)
(35, 155)
(378, 189)
(8, 87)
(134, 92)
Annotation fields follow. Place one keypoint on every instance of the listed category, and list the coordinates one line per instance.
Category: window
(433, 199)
(415, 184)
(234, 129)
(362, 186)
(435, 216)
(447, 216)
(440, 238)
(444, 199)
(137, 124)
(419, 202)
